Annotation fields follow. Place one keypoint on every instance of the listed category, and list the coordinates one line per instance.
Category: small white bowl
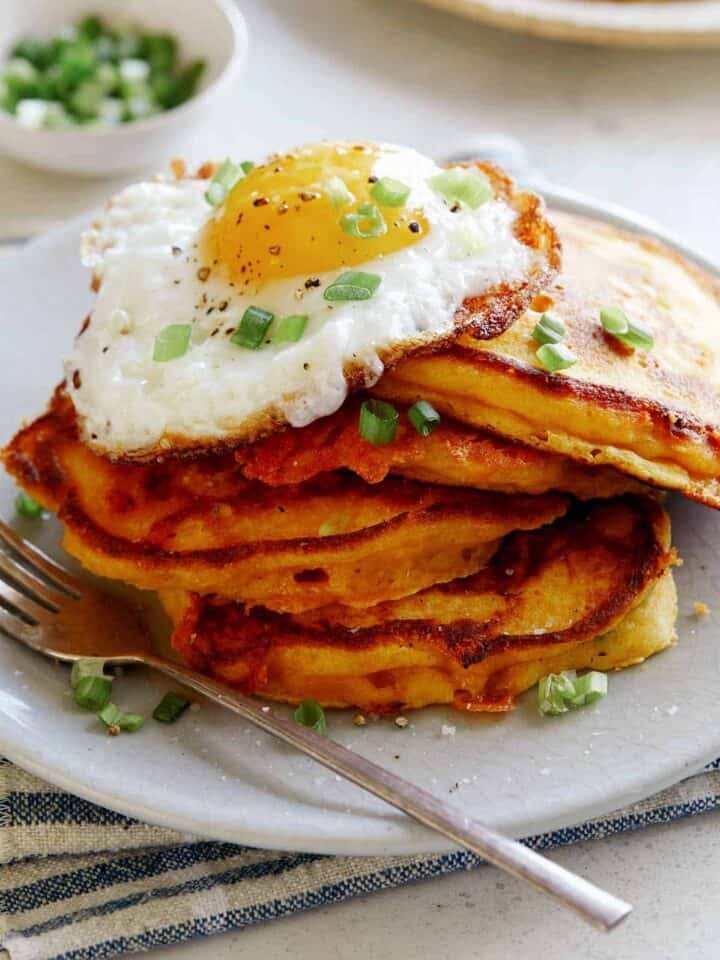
(210, 30)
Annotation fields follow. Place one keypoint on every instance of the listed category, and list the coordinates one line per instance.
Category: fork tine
(20, 601)
(17, 629)
(37, 560)
(37, 587)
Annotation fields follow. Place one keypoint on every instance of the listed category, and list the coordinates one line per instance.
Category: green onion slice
(378, 422)
(589, 687)
(246, 166)
(289, 329)
(424, 417)
(130, 722)
(337, 192)
(549, 329)
(171, 707)
(91, 667)
(614, 320)
(633, 333)
(27, 506)
(92, 693)
(560, 692)
(389, 192)
(226, 176)
(110, 715)
(353, 285)
(310, 714)
(252, 328)
(365, 224)
(458, 185)
(555, 356)
(638, 335)
(172, 342)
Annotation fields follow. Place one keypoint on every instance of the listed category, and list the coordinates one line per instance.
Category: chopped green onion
(252, 328)
(589, 687)
(353, 285)
(555, 356)
(554, 691)
(90, 28)
(424, 417)
(130, 722)
(458, 185)
(92, 693)
(110, 715)
(365, 224)
(549, 329)
(246, 166)
(27, 506)
(160, 51)
(71, 72)
(226, 176)
(633, 333)
(186, 83)
(310, 714)
(88, 97)
(172, 342)
(289, 329)
(378, 422)
(171, 708)
(90, 667)
(560, 692)
(337, 192)
(638, 335)
(389, 192)
(614, 320)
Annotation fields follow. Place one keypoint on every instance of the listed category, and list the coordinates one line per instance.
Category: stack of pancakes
(524, 536)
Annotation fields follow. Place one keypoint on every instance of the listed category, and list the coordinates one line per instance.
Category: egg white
(145, 250)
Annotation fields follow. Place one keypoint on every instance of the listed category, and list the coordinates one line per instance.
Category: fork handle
(593, 904)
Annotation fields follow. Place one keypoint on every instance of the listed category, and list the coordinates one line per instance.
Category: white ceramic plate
(633, 23)
(213, 775)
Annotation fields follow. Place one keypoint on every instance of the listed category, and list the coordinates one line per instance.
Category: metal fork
(54, 613)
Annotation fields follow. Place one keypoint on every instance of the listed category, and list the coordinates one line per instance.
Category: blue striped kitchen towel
(82, 883)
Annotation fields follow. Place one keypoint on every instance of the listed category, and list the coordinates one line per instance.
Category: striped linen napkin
(82, 883)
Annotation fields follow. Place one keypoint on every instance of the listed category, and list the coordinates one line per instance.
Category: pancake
(454, 454)
(653, 415)
(200, 525)
(594, 589)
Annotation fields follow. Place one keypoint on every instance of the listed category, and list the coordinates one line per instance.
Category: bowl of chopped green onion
(103, 87)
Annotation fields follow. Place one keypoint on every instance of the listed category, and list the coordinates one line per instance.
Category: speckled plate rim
(672, 24)
(536, 775)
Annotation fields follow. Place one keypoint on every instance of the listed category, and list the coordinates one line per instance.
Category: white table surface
(638, 128)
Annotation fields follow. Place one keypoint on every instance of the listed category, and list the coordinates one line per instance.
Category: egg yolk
(284, 218)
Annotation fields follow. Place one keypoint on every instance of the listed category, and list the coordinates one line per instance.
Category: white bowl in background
(210, 30)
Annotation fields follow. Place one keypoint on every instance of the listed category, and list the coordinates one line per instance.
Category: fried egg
(163, 255)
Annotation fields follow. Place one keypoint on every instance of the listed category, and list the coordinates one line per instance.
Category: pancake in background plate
(654, 415)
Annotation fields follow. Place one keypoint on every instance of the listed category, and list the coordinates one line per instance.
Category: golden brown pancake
(653, 415)
(594, 589)
(453, 454)
(200, 525)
